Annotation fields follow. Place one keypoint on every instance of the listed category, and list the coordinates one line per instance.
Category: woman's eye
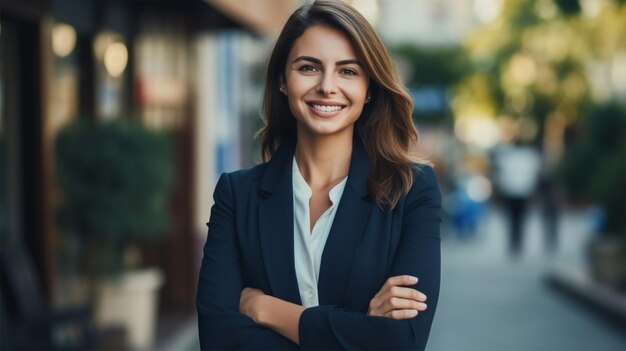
(308, 68)
(349, 72)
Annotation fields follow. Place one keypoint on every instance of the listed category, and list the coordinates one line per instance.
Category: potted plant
(115, 178)
(595, 170)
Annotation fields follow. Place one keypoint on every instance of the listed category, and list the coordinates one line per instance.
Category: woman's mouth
(326, 108)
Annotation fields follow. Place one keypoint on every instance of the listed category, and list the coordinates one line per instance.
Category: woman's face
(324, 82)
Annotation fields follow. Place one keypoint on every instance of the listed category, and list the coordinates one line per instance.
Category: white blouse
(309, 246)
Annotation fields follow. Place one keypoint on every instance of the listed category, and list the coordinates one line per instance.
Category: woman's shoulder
(425, 182)
(423, 172)
(246, 176)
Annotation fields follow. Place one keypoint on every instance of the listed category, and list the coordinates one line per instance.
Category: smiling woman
(333, 242)
(324, 84)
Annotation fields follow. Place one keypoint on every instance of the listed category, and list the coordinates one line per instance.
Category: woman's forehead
(324, 43)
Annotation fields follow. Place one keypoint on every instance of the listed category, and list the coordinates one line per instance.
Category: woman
(333, 242)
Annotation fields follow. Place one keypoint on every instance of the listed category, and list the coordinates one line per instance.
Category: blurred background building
(117, 118)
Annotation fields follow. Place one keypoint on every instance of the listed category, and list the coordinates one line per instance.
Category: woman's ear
(283, 86)
(368, 94)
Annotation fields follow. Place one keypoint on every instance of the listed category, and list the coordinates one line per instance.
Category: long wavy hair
(385, 125)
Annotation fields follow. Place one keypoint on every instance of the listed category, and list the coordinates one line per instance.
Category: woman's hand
(396, 301)
(250, 303)
(281, 316)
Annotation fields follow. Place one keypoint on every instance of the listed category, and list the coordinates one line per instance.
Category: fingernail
(423, 297)
(413, 279)
(413, 313)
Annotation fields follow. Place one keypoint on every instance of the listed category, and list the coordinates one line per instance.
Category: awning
(267, 17)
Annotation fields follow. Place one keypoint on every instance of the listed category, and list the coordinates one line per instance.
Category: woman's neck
(324, 161)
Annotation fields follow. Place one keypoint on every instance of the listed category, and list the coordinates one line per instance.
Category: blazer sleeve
(418, 254)
(220, 324)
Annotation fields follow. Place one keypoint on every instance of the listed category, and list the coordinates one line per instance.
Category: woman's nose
(327, 84)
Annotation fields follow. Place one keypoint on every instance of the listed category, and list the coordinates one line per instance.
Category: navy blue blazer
(250, 244)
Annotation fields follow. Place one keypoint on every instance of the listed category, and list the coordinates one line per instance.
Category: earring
(368, 99)
(283, 90)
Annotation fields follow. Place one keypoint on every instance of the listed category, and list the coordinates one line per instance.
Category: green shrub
(115, 179)
(595, 168)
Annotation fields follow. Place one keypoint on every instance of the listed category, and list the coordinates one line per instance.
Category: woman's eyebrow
(319, 62)
(348, 62)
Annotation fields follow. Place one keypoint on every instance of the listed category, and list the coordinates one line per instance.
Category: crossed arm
(231, 316)
(394, 300)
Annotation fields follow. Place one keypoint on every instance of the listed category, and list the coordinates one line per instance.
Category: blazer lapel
(346, 230)
(276, 224)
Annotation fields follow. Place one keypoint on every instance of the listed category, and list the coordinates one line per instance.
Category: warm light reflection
(591, 8)
(546, 9)
(487, 10)
(549, 41)
(597, 75)
(480, 131)
(63, 39)
(618, 72)
(115, 59)
(102, 41)
(523, 69)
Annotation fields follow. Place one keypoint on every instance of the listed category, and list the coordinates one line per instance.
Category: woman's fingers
(405, 293)
(396, 303)
(394, 286)
(395, 300)
(401, 314)
(401, 280)
(381, 306)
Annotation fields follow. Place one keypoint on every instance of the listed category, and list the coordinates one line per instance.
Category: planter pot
(607, 262)
(131, 301)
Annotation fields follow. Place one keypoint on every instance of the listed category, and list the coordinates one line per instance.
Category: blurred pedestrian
(465, 205)
(517, 167)
(333, 242)
(550, 209)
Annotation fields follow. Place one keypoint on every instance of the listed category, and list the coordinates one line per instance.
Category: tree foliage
(115, 179)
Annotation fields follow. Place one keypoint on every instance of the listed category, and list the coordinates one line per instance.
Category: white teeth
(326, 108)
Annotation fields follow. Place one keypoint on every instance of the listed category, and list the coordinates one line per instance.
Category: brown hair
(385, 125)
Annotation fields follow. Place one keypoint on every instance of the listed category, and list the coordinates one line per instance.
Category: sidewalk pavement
(490, 301)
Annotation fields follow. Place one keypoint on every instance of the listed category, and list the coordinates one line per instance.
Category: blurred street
(491, 302)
